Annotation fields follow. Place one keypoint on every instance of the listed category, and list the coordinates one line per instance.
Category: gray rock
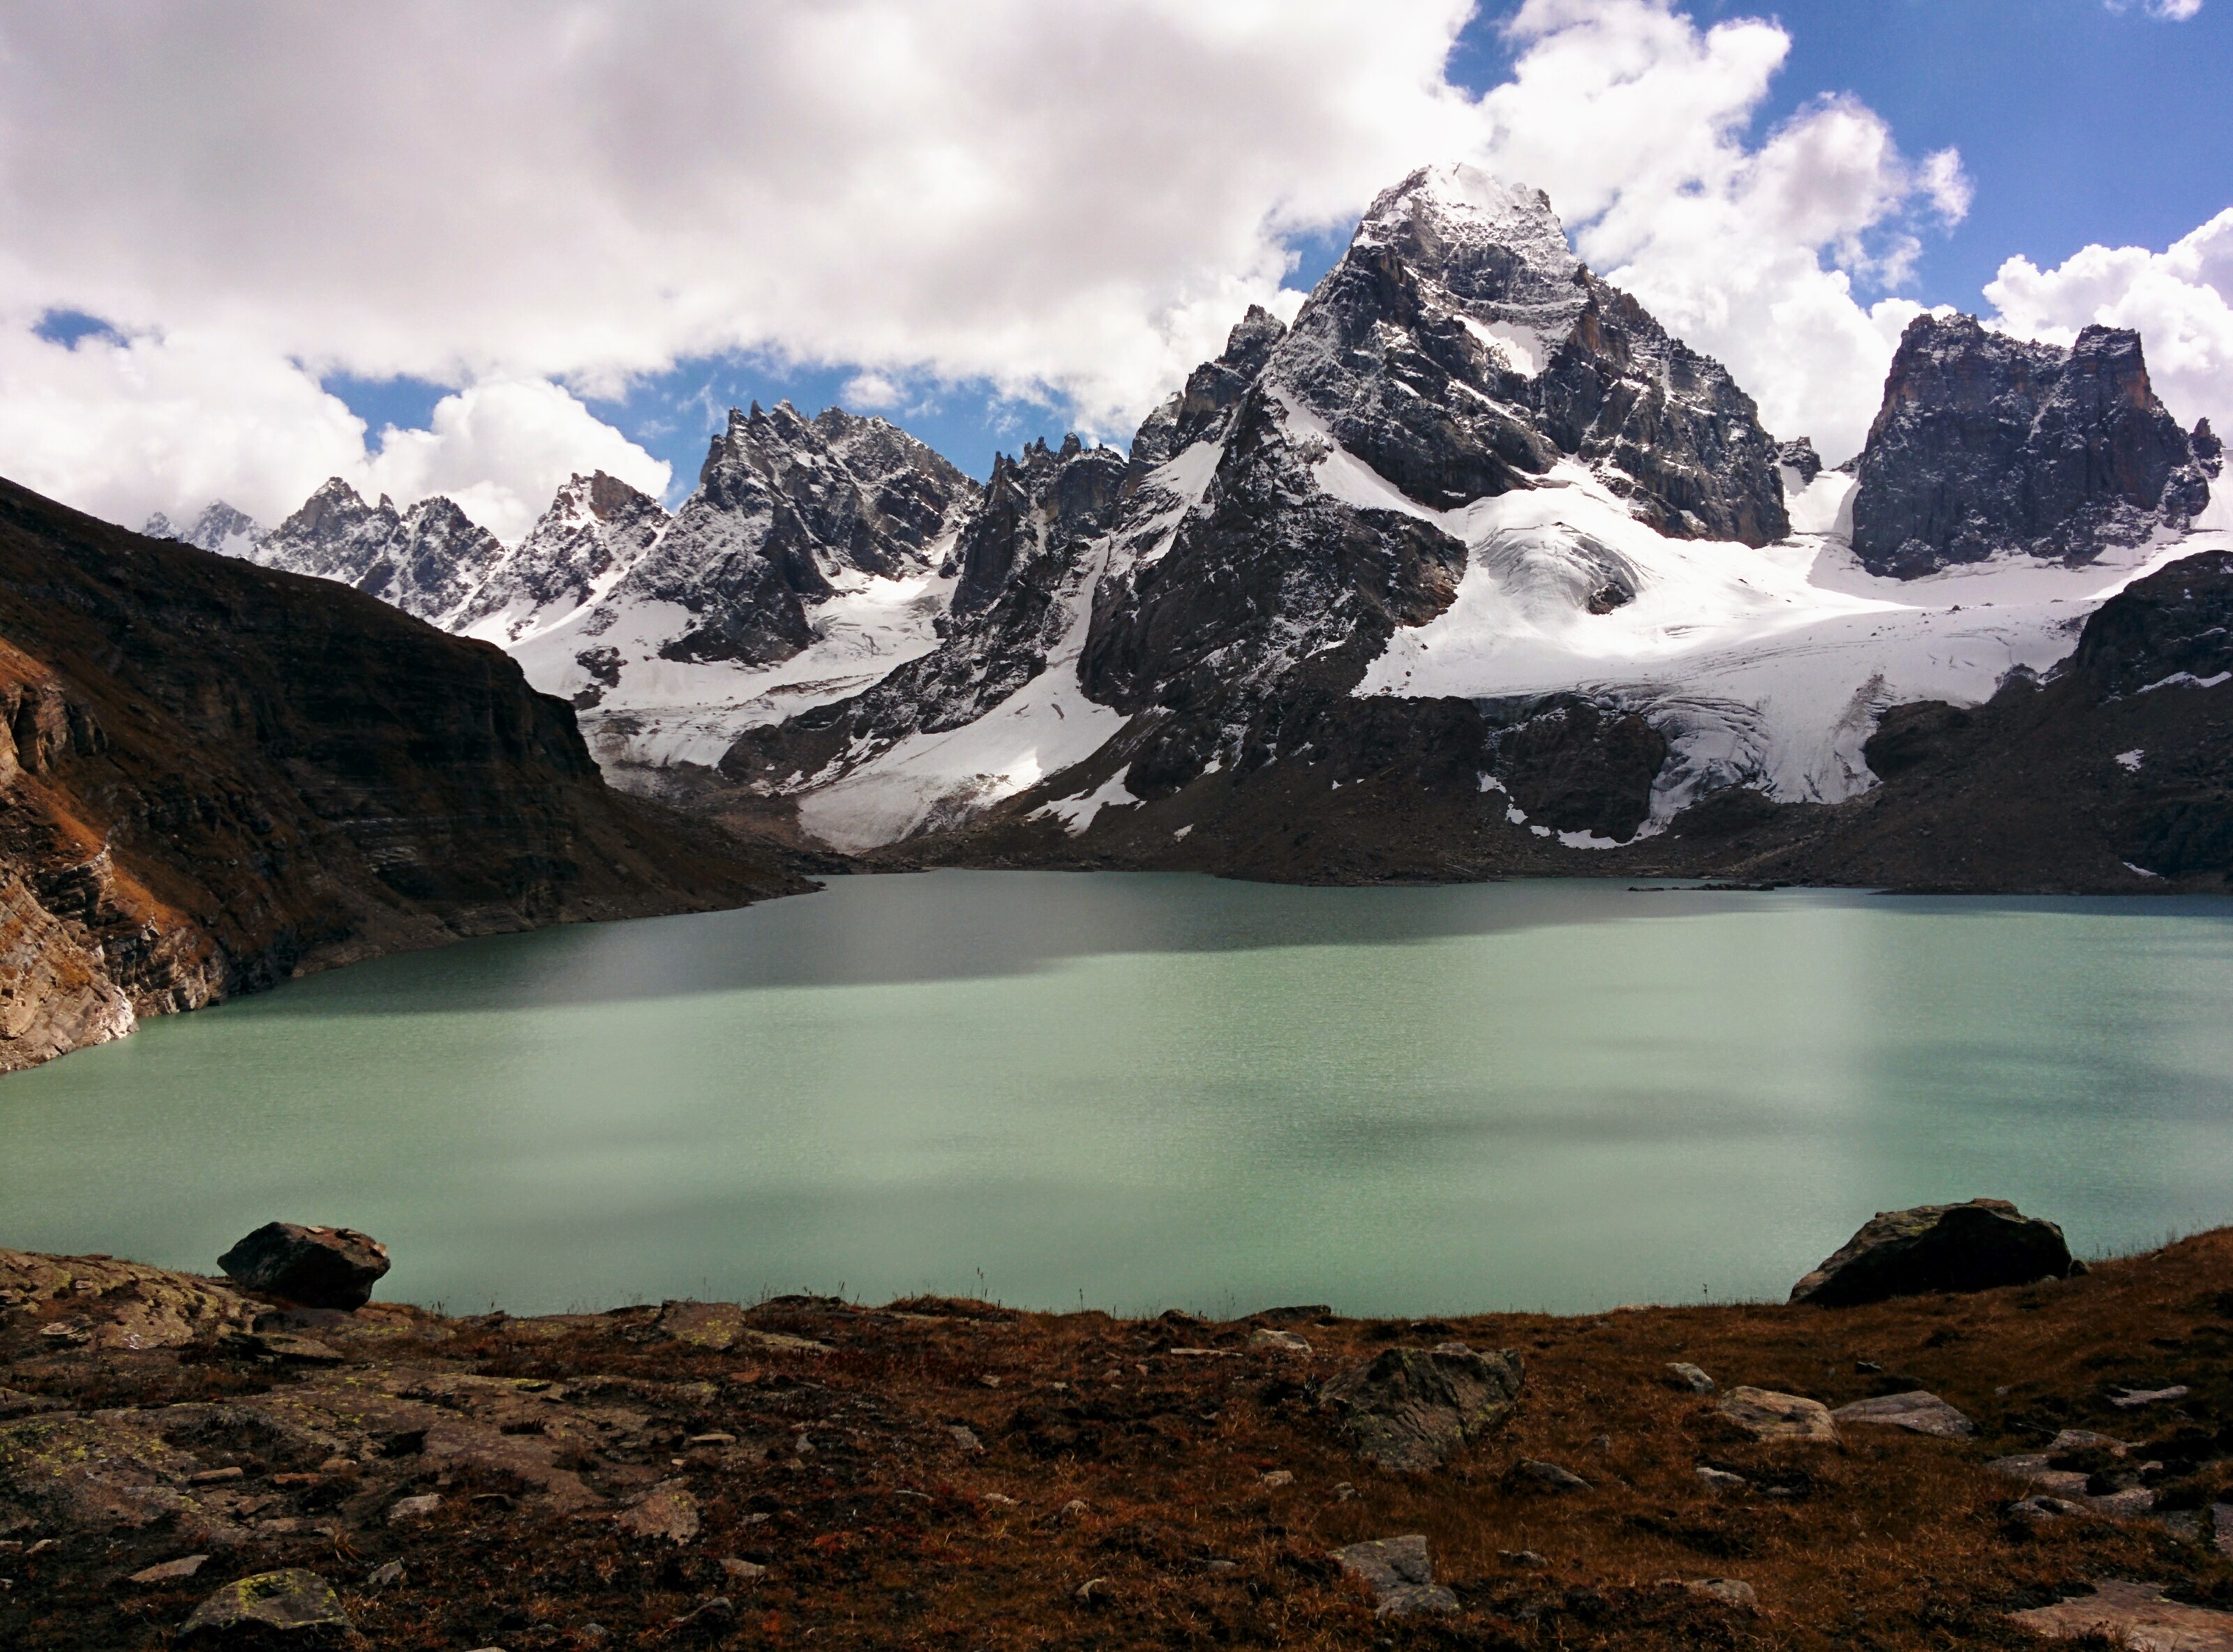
(2124, 1613)
(2031, 1467)
(1720, 1479)
(1400, 1574)
(1987, 444)
(414, 1508)
(318, 1267)
(1547, 1477)
(1689, 1377)
(2133, 1400)
(1733, 1590)
(1411, 1407)
(1978, 1245)
(172, 1571)
(294, 1604)
(744, 1570)
(1919, 1412)
(1766, 1415)
(1276, 1342)
(667, 1511)
(2040, 1508)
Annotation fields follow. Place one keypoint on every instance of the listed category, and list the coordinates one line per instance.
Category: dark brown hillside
(214, 775)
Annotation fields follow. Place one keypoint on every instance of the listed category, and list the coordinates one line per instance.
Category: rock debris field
(184, 1462)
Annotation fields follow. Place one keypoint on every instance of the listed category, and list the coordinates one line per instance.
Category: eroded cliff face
(1987, 444)
(213, 775)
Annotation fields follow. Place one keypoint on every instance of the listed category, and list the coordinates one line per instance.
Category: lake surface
(1139, 1091)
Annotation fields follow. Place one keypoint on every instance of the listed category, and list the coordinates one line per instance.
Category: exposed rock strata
(1987, 444)
(213, 775)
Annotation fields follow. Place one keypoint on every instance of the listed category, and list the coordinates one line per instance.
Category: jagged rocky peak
(1212, 391)
(220, 528)
(1461, 349)
(596, 528)
(1987, 445)
(1045, 499)
(426, 561)
(1797, 456)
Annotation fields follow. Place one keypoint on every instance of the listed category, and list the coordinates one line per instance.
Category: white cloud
(2180, 299)
(2164, 11)
(122, 426)
(1071, 203)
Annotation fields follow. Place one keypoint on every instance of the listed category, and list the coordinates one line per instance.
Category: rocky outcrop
(426, 561)
(1979, 1245)
(214, 775)
(1987, 445)
(1411, 1407)
(315, 1268)
(597, 527)
(219, 527)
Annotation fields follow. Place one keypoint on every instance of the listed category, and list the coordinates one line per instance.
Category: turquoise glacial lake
(1140, 1092)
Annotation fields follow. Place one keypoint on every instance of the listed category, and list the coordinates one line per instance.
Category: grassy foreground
(791, 1474)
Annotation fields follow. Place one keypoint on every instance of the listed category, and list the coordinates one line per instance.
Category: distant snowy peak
(597, 529)
(1460, 350)
(219, 528)
(427, 560)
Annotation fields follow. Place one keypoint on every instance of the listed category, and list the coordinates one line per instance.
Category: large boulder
(318, 1267)
(1411, 1407)
(1978, 1245)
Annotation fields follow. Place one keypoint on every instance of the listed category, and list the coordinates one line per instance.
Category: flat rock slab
(1979, 1245)
(1401, 1576)
(1688, 1378)
(299, 1602)
(1766, 1415)
(2132, 1615)
(1919, 1412)
(666, 1511)
(1411, 1407)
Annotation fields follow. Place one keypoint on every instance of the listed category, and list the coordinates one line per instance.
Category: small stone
(966, 1437)
(1527, 1557)
(998, 1500)
(719, 1610)
(414, 1508)
(1682, 1374)
(1919, 1412)
(1411, 1407)
(1276, 1342)
(1343, 1491)
(172, 1571)
(2122, 1505)
(1766, 1415)
(292, 1600)
(1075, 1509)
(2133, 1399)
(1720, 1479)
(748, 1572)
(318, 1267)
(383, 1576)
(1091, 1589)
(990, 1381)
(2031, 1467)
(216, 1476)
(667, 1511)
(711, 1440)
(1735, 1590)
(1400, 1574)
(335, 1465)
(1276, 1479)
(1547, 1477)
(2035, 1510)
(1221, 1565)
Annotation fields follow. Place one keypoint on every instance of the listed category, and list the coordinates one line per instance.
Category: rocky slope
(1908, 1475)
(213, 775)
(597, 529)
(1987, 444)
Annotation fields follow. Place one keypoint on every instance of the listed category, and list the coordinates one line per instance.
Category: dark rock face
(1411, 1407)
(1980, 1245)
(315, 1267)
(215, 774)
(1574, 766)
(1987, 444)
(1799, 457)
(425, 560)
(786, 505)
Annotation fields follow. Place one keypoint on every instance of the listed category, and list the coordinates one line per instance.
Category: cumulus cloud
(2180, 299)
(123, 425)
(1072, 203)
